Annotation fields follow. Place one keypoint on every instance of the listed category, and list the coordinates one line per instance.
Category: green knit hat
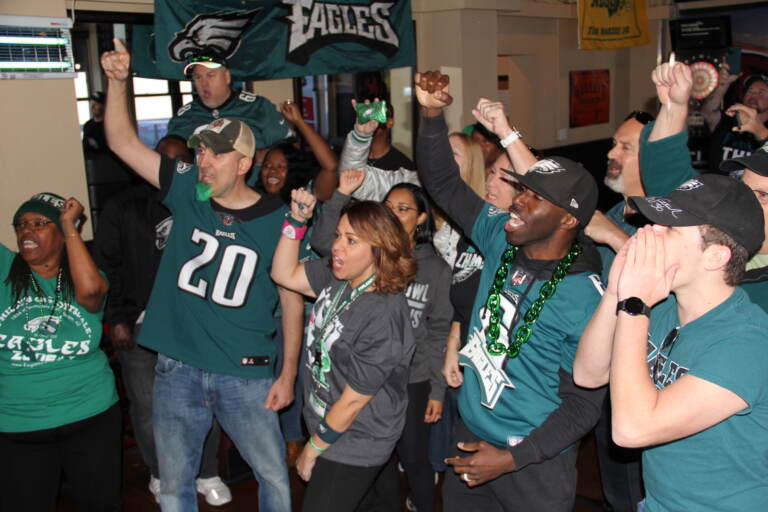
(44, 203)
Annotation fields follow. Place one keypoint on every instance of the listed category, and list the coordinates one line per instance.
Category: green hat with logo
(44, 203)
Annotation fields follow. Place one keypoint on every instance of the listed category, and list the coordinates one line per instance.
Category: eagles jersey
(268, 125)
(504, 399)
(213, 302)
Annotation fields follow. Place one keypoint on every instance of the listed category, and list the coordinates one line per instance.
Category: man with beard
(521, 414)
(744, 127)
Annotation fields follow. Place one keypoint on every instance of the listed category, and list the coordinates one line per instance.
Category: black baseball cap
(564, 183)
(757, 77)
(720, 201)
(756, 162)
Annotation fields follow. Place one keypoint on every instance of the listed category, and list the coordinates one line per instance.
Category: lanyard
(337, 305)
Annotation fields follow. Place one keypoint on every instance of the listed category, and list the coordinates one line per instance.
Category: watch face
(634, 306)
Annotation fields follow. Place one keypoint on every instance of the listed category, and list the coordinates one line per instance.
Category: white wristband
(509, 139)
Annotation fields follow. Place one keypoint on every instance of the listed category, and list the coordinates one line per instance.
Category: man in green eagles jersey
(210, 316)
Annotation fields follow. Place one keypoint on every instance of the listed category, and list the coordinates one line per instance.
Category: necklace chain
(39, 293)
(547, 290)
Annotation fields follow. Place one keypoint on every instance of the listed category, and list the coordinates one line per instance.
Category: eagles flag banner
(612, 24)
(264, 39)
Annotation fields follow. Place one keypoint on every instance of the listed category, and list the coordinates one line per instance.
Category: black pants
(549, 486)
(413, 452)
(620, 468)
(87, 453)
(337, 487)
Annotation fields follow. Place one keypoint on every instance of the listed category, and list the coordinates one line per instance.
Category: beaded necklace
(547, 290)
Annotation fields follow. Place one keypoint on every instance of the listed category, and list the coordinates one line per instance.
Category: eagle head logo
(214, 34)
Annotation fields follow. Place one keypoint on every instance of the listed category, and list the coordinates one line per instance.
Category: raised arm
(673, 86)
(121, 134)
(326, 180)
(354, 155)
(592, 365)
(324, 232)
(90, 286)
(491, 115)
(712, 108)
(438, 170)
(287, 271)
(642, 414)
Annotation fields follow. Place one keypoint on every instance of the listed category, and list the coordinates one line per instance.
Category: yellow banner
(611, 24)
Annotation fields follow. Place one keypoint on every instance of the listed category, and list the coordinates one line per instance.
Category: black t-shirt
(392, 161)
(725, 144)
(466, 279)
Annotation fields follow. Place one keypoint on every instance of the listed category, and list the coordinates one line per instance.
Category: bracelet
(293, 232)
(326, 433)
(313, 445)
(509, 139)
(71, 235)
(293, 222)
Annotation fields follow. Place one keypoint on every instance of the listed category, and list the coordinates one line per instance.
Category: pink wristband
(293, 232)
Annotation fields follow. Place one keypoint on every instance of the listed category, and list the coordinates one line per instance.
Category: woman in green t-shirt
(58, 404)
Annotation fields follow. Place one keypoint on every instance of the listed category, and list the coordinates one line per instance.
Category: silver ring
(465, 477)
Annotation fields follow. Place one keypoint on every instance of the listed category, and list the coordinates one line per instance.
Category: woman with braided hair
(58, 404)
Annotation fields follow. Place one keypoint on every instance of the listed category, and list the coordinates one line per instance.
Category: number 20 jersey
(213, 302)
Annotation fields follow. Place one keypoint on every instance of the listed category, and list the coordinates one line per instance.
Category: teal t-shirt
(725, 467)
(665, 164)
(213, 302)
(501, 398)
(52, 371)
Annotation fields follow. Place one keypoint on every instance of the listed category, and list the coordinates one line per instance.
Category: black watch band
(633, 306)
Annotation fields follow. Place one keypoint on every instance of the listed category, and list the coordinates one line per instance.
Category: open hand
(350, 180)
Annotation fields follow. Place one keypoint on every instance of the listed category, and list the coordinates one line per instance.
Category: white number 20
(229, 260)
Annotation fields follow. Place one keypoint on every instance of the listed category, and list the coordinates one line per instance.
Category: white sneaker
(215, 491)
(154, 488)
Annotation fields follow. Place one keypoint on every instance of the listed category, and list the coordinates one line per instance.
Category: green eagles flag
(263, 39)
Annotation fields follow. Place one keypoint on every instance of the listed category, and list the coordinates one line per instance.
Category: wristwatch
(633, 306)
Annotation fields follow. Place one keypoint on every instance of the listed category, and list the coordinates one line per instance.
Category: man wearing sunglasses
(215, 98)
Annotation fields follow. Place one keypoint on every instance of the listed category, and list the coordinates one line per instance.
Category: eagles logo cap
(756, 162)
(720, 201)
(564, 183)
(224, 135)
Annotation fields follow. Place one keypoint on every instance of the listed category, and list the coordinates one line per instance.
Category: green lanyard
(322, 358)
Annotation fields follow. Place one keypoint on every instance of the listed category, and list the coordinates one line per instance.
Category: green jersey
(724, 467)
(503, 399)
(52, 371)
(213, 302)
(268, 125)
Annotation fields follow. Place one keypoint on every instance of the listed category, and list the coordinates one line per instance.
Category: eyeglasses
(640, 116)
(400, 208)
(36, 224)
(667, 344)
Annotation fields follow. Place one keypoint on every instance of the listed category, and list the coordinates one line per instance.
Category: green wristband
(313, 445)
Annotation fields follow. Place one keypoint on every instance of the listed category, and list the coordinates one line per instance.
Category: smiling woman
(58, 411)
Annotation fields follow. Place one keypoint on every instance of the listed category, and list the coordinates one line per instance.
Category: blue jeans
(185, 402)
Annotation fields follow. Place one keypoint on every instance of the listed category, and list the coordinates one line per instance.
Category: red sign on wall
(590, 97)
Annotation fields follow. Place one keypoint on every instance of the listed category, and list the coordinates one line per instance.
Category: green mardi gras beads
(547, 290)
